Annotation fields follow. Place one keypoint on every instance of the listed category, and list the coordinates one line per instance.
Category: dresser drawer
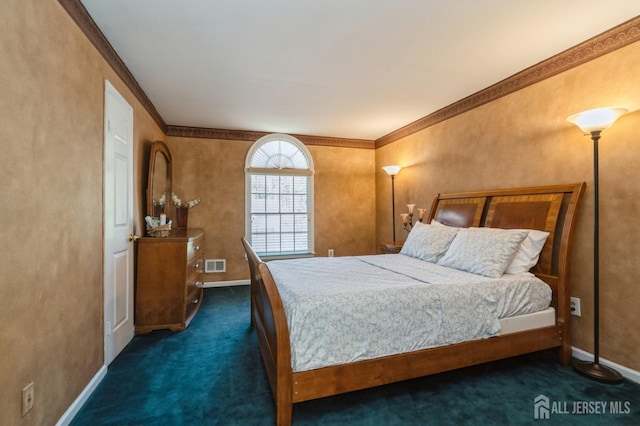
(195, 266)
(192, 302)
(194, 284)
(194, 247)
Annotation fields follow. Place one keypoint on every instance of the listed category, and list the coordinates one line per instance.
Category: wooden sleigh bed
(547, 208)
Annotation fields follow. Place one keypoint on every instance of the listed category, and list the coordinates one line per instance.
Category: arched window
(279, 193)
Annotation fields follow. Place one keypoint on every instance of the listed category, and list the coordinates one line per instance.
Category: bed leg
(564, 353)
(284, 412)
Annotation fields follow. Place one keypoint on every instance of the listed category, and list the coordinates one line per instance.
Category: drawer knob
(197, 248)
(196, 265)
(196, 301)
(198, 284)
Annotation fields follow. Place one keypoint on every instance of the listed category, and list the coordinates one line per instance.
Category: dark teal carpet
(212, 374)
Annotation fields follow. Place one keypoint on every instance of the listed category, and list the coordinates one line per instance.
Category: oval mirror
(159, 180)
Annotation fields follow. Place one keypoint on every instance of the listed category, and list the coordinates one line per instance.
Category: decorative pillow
(428, 242)
(483, 251)
(528, 253)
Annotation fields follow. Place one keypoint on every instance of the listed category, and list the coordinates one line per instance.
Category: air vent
(215, 265)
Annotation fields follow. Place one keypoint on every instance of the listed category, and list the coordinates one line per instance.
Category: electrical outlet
(575, 306)
(330, 253)
(27, 399)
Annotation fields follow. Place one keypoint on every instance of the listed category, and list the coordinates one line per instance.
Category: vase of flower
(182, 214)
(182, 210)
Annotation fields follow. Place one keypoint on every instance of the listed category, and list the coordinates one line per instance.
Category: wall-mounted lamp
(593, 122)
(393, 171)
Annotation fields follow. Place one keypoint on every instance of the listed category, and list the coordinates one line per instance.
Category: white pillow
(428, 242)
(483, 251)
(436, 223)
(528, 253)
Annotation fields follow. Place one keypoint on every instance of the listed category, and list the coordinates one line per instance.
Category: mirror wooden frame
(159, 148)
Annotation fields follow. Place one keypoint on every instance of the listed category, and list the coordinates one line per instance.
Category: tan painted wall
(51, 144)
(214, 171)
(523, 139)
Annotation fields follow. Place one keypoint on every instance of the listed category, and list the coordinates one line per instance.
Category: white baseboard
(73, 409)
(626, 372)
(210, 284)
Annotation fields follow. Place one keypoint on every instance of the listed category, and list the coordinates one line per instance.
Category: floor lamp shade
(393, 171)
(598, 119)
(593, 122)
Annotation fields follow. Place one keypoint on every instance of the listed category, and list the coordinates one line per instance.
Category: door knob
(133, 237)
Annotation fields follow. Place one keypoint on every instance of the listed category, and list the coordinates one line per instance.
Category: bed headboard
(547, 208)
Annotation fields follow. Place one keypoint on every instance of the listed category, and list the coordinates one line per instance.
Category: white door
(118, 223)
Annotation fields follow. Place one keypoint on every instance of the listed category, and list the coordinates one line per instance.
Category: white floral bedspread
(346, 309)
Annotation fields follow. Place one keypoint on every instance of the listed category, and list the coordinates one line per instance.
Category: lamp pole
(595, 136)
(393, 206)
(393, 171)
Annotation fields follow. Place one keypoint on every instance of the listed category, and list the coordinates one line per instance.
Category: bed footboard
(270, 322)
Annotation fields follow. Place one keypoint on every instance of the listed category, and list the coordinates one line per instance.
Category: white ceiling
(343, 68)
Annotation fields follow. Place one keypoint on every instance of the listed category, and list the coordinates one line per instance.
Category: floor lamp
(593, 122)
(393, 171)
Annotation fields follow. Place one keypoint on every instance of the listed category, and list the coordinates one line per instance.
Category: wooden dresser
(169, 280)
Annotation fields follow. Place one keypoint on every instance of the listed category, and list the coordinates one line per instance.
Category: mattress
(530, 321)
(347, 309)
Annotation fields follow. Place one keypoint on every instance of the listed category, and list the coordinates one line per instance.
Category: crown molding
(81, 17)
(245, 135)
(613, 39)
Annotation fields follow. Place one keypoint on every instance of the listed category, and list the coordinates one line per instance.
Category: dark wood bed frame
(549, 208)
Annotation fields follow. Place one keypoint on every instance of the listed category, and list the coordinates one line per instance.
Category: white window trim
(309, 172)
